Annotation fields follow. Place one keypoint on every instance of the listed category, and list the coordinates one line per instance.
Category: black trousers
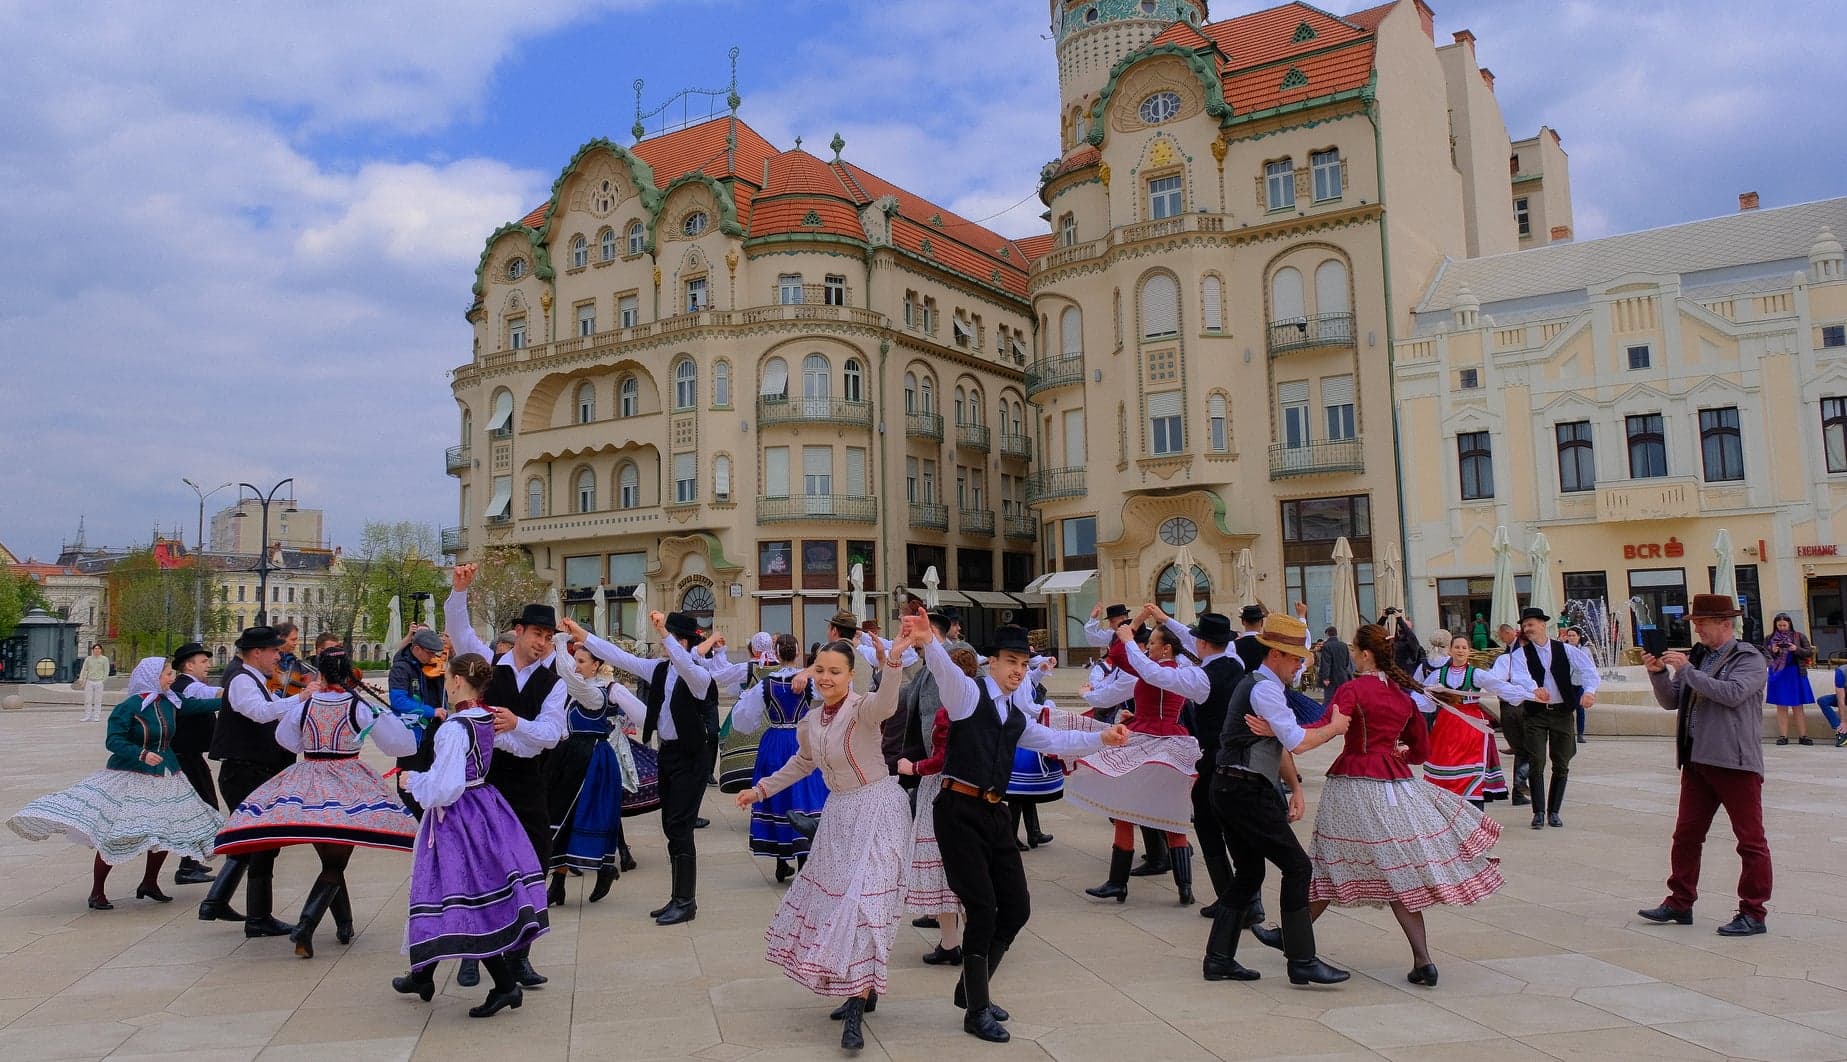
(199, 773)
(1513, 730)
(1256, 824)
(684, 767)
(1212, 847)
(519, 781)
(982, 865)
(238, 779)
(1550, 731)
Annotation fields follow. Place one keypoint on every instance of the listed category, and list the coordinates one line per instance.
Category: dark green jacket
(135, 728)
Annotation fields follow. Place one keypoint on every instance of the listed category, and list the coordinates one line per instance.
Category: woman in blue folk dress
(776, 705)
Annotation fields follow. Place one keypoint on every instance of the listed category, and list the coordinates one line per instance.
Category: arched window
(928, 392)
(535, 497)
(1160, 305)
(1002, 410)
(961, 398)
(699, 602)
(468, 427)
(853, 387)
(580, 251)
(628, 397)
(1331, 287)
(685, 384)
(1019, 418)
(586, 402)
(1071, 331)
(586, 491)
(974, 406)
(721, 477)
(1286, 296)
(815, 384)
(1169, 582)
(1219, 434)
(606, 244)
(628, 486)
(910, 396)
(636, 236)
(1212, 303)
(721, 383)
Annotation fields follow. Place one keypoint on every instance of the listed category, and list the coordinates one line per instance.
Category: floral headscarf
(145, 681)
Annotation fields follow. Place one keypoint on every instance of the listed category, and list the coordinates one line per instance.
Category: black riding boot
(192, 872)
(1299, 947)
(1034, 835)
(1117, 887)
(216, 906)
(606, 876)
(979, 1021)
(992, 963)
(312, 911)
(506, 991)
(554, 893)
(852, 1035)
(1183, 874)
(1154, 860)
(259, 894)
(1222, 950)
(342, 915)
(519, 964)
(683, 907)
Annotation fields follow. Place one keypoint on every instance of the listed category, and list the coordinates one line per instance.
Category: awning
(822, 593)
(1061, 582)
(962, 330)
(502, 501)
(780, 594)
(503, 415)
(990, 599)
(1029, 600)
(945, 596)
(776, 379)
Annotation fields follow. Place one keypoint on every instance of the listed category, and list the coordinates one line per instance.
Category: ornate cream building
(729, 373)
(1243, 215)
(1630, 397)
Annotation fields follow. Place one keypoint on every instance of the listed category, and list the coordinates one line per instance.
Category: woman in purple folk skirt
(476, 888)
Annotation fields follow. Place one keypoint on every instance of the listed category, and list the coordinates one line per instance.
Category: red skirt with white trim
(1378, 842)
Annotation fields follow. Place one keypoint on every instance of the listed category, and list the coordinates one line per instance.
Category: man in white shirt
(1562, 678)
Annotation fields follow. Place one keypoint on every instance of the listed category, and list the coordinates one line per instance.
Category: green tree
(151, 607)
(505, 584)
(19, 594)
(393, 560)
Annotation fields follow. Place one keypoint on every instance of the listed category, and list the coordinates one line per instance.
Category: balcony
(772, 411)
(973, 437)
(1051, 483)
(1327, 457)
(975, 521)
(930, 516)
(1015, 445)
(1309, 333)
(846, 508)
(1023, 526)
(1045, 374)
(454, 540)
(923, 426)
(458, 460)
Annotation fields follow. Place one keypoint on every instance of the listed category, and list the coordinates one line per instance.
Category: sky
(244, 234)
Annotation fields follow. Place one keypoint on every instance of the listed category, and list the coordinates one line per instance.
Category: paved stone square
(1555, 966)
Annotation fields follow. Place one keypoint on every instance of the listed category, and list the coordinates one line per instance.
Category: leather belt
(968, 790)
(330, 755)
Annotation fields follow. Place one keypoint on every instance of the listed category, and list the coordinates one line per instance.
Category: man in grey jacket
(1335, 666)
(1718, 689)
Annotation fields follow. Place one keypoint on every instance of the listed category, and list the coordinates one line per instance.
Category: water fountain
(1602, 633)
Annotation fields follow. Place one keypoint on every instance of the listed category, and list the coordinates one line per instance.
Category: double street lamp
(198, 594)
(263, 567)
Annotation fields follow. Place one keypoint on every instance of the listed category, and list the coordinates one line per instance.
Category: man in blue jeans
(1831, 706)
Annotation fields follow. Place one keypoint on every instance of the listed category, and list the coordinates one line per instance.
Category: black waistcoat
(503, 691)
(238, 737)
(689, 711)
(1224, 672)
(192, 734)
(1561, 675)
(981, 745)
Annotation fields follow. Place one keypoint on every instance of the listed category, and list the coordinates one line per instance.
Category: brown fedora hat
(1285, 634)
(1713, 606)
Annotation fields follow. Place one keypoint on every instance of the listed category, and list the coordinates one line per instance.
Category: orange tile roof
(982, 245)
(1077, 160)
(1370, 18)
(702, 148)
(537, 217)
(804, 214)
(1035, 247)
(1339, 70)
(1258, 49)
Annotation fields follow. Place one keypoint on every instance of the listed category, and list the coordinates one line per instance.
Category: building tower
(1092, 35)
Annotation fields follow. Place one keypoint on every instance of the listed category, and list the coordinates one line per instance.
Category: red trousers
(1704, 790)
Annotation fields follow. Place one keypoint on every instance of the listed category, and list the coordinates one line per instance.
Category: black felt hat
(1213, 627)
(536, 615)
(1012, 639)
(187, 652)
(1116, 612)
(259, 638)
(682, 625)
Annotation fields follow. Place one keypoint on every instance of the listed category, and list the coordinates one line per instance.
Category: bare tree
(393, 560)
(505, 584)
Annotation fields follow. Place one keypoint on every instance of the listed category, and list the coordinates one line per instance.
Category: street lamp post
(198, 595)
(263, 565)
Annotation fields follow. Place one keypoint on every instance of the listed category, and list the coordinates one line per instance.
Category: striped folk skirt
(1378, 842)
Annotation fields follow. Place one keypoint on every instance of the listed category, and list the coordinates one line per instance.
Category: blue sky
(243, 234)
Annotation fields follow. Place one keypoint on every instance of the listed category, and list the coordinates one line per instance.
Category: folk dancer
(1718, 692)
(989, 719)
(192, 739)
(139, 803)
(680, 694)
(926, 887)
(1109, 676)
(1037, 778)
(477, 889)
(1149, 781)
(527, 701)
(585, 776)
(1562, 679)
(1250, 807)
(244, 743)
(1464, 758)
(834, 930)
(777, 705)
(329, 798)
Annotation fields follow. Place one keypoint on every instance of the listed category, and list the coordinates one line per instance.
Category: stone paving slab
(1556, 966)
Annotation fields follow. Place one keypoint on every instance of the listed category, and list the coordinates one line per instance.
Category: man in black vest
(1250, 652)
(244, 743)
(989, 719)
(528, 702)
(1562, 678)
(192, 739)
(680, 694)
(1252, 813)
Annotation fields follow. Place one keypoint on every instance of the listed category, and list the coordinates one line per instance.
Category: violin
(291, 678)
(437, 666)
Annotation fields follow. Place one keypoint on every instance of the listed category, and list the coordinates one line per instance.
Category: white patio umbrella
(1542, 597)
(1245, 591)
(1184, 610)
(1388, 578)
(1504, 604)
(1725, 576)
(555, 600)
(599, 615)
(394, 630)
(1346, 609)
(856, 578)
(931, 581)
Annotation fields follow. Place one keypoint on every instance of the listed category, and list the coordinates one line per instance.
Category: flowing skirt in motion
(123, 814)
(928, 887)
(476, 889)
(1378, 841)
(834, 931)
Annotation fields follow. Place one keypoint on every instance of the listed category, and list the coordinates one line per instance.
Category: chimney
(1487, 77)
(1747, 201)
(1463, 36)
(1561, 234)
